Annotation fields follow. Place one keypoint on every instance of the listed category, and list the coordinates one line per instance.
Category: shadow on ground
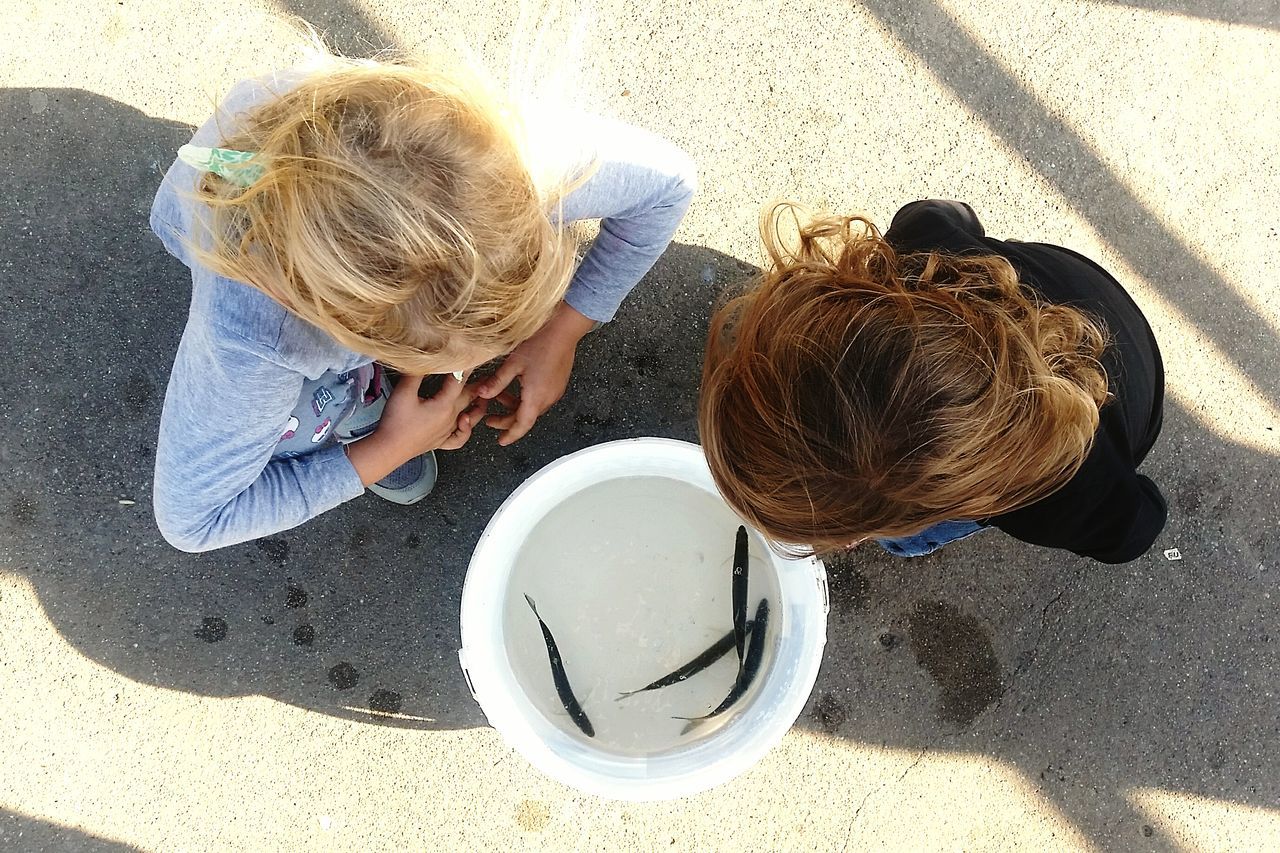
(1247, 12)
(346, 26)
(23, 832)
(1092, 680)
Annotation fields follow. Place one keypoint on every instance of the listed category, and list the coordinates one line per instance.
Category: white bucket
(776, 701)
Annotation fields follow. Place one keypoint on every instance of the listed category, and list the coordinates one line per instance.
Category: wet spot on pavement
(294, 596)
(343, 676)
(413, 540)
(956, 652)
(588, 425)
(136, 394)
(385, 701)
(304, 635)
(212, 629)
(829, 713)
(849, 590)
(275, 549)
(23, 510)
(644, 364)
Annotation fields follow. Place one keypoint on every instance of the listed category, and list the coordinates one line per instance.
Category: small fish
(750, 666)
(713, 653)
(740, 556)
(567, 699)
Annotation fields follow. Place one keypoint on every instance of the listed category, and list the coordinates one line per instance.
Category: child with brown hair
(923, 385)
(363, 214)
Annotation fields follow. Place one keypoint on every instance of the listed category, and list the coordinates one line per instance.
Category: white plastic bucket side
(728, 752)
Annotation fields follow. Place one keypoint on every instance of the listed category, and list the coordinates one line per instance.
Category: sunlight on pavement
(1207, 825)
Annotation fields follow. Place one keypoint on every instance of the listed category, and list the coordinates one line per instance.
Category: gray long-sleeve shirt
(243, 359)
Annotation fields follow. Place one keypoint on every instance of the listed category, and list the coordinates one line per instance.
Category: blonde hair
(854, 392)
(396, 213)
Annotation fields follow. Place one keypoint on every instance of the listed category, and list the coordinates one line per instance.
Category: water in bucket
(633, 578)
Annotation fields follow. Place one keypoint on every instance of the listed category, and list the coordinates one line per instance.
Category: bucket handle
(466, 673)
(820, 575)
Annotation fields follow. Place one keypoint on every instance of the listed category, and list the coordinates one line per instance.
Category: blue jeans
(930, 539)
(324, 408)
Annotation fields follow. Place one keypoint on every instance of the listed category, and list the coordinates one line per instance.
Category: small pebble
(126, 502)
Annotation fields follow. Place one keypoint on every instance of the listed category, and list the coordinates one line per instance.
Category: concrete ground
(995, 696)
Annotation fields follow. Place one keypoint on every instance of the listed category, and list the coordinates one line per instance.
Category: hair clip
(239, 167)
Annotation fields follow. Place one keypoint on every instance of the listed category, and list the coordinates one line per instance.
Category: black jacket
(1107, 511)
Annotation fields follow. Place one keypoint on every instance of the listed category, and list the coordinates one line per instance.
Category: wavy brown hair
(396, 212)
(855, 392)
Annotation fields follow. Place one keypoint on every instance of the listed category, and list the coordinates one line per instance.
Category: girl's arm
(640, 188)
(1107, 512)
(225, 410)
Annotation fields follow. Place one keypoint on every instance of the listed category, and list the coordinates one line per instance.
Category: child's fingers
(457, 396)
(477, 411)
(516, 421)
(524, 419)
(504, 376)
(500, 422)
(409, 384)
(460, 435)
(466, 399)
(449, 390)
(508, 400)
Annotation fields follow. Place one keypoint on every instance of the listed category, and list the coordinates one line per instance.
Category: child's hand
(411, 426)
(542, 364)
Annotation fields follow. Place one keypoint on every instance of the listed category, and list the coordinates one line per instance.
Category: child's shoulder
(235, 310)
(236, 314)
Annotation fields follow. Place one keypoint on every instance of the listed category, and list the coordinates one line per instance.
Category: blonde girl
(368, 214)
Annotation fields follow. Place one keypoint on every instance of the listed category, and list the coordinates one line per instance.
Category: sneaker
(409, 483)
(364, 420)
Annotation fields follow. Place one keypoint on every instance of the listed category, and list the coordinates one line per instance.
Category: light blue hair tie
(241, 168)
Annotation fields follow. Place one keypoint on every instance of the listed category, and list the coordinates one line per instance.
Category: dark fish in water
(750, 666)
(567, 699)
(740, 557)
(713, 653)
